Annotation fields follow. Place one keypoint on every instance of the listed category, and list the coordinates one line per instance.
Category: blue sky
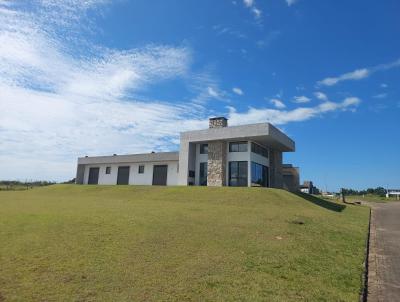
(102, 77)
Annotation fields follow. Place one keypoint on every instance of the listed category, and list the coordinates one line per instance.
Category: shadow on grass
(322, 202)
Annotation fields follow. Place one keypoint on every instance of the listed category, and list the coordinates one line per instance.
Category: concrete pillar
(275, 170)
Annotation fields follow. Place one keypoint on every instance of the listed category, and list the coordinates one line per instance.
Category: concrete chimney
(218, 122)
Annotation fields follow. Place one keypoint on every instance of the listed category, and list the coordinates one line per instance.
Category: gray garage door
(93, 176)
(160, 175)
(123, 176)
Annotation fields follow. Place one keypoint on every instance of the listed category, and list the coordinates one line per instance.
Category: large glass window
(203, 174)
(238, 147)
(259, 175)
(255, 148)
(238, 173)
(204, 149)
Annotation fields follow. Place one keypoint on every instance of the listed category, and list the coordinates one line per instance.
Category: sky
(99, 77)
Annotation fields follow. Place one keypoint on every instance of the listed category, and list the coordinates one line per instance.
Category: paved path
(384, 255)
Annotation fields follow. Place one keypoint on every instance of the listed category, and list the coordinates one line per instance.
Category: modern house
(247, 155)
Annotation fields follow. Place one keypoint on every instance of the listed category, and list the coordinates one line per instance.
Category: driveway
(384, 254)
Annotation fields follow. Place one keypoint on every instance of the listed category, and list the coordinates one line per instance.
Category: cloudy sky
(99, 77)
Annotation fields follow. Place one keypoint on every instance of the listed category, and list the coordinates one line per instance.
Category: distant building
(393, 192)
(308, 187)
(247, 155)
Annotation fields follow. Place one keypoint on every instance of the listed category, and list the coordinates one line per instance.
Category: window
(191, 173)
(259, 175)
(108, 170)
(203, 148)
(255, 148)
(238, 173)
(141, 169)
(203, 174)
(238, 147)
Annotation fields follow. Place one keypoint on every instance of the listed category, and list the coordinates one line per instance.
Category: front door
(123, 175)
(203, 174)
(160, 175)
(93, 176)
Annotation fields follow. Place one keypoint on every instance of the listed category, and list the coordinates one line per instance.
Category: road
(384, 255)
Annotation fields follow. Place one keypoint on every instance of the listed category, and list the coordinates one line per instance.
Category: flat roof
(130, 158)
(262, 133)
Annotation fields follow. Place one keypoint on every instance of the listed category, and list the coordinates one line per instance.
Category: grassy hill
(128, 243)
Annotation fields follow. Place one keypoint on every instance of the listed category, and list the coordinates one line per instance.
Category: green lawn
(370, 198)
(127, 243)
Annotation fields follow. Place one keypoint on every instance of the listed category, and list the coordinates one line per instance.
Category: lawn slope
(128, 243)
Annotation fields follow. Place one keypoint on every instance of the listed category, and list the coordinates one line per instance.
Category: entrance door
(123, 176)
(203, 174)
(160, 175)
(93, 176)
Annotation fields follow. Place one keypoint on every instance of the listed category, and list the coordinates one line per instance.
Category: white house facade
(248, 155)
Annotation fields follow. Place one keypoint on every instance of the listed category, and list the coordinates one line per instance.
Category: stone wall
(275, 170)
(217, 122)
(216, 170)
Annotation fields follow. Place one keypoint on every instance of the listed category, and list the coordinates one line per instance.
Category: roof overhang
(263, 133)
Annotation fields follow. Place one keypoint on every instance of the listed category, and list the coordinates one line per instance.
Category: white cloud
(301, 99)
(354, 75)
(383, 85)
(280, 117)
(56, 106)
(257, 12)
(290, 2)
(226, 30)
(212, 92)
(358, 74)
(380, 96)
(277, 103)
(253, 8)
(321, 96)
(237, 90)
(351, 101)
(205, 86)
(248, 3)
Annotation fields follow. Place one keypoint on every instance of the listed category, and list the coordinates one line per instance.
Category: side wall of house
(135, 178)
(80, 174)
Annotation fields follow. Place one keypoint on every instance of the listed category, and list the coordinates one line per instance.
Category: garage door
(93, 176)
(160, 175)
(123, 176)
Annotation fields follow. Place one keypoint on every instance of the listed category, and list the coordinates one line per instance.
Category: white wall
(134, 177)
